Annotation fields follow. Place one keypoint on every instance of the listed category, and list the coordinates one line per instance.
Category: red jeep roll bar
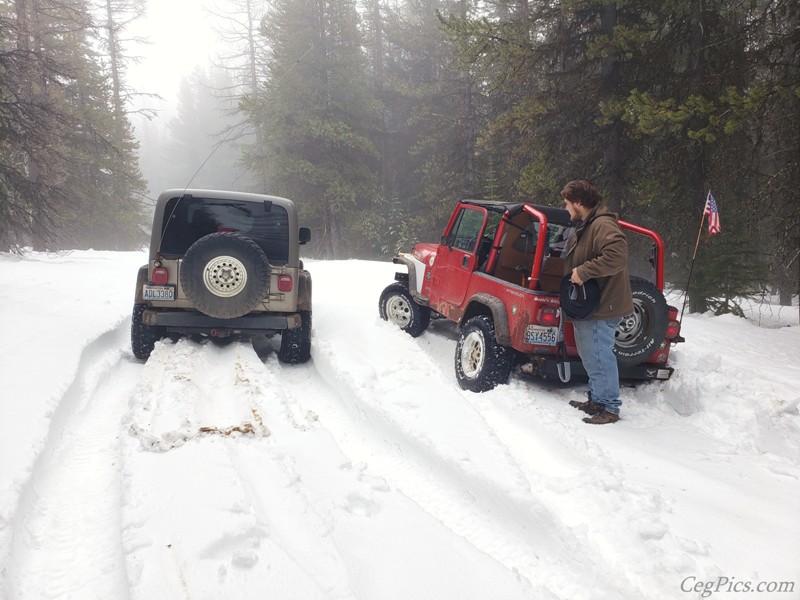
(659, 246)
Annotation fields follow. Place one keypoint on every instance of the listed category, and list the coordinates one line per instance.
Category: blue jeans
(595, 342)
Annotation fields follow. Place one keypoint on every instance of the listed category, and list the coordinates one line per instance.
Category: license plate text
(537, 334)
(158, 292)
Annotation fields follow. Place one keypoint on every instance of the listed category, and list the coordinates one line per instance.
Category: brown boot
(602, 418)
(590, 407)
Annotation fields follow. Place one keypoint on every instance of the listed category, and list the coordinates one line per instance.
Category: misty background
(375, 116)
(191, 60)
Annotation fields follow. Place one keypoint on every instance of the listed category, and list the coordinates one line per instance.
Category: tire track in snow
(429, 442)
(638, 517)
(277, 481)
(569, 470)
(178, 398)
(271, 514)
(68, 519)
(417, 551)
(240, 532)
(631, 519)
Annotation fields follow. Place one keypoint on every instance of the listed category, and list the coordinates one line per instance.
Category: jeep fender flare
(416, 270)
(304, 290)
(142, 277)
(483, 303)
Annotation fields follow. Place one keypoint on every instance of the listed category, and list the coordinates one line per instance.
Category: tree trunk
(332, 238)
(27, 40)
(379, 83)
(113, 51)
(698, 303)
(252, 53)
(469, 120)
(611, 177)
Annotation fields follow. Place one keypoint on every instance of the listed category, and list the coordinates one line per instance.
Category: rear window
(557, 237)
(187, 219)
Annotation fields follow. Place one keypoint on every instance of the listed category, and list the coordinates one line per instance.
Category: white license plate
(158, 292)
(537, 334)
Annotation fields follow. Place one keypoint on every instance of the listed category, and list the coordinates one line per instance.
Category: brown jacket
(599, 250)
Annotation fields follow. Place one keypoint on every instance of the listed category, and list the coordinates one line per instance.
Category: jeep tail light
(548, 317)
(160, 276)
(673, 329)
(673, 326)
(285, 283)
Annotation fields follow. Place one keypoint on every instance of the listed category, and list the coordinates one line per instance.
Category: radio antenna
(225, 139)
(218, 144)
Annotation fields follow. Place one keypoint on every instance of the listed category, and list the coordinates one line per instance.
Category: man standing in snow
(598, 251)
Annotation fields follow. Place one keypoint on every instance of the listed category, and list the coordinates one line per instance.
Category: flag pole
(691, 266)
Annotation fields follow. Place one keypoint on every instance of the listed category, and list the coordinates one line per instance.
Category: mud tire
(225, 275)
(641, 333)
(398, 306)
(296, 343)
(143, 337)
(480, 362)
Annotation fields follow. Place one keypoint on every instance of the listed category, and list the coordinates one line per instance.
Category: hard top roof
(166, 195)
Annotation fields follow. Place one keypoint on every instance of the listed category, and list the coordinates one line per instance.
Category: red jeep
(497, 273)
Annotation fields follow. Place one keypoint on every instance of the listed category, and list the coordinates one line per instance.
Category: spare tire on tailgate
(640, 333)
(225, 275)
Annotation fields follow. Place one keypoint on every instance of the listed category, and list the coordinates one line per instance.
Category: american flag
(713, 215)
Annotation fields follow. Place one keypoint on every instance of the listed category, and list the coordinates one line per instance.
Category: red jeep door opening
(455, 260)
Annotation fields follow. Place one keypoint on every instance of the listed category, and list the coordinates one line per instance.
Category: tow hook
(562, 363)
(220, 333)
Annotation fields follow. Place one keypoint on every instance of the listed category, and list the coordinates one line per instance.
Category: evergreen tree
(198, 148)
(30, 164)
(689, 118)
(657, 103)
(117, 15)
(433, 110)
(69, 177)
(769, 111)
(245, 63)
(551, 69)
(317, 116)
(449, 113)
(103, 186)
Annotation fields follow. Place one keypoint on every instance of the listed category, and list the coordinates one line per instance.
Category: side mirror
(304, 236)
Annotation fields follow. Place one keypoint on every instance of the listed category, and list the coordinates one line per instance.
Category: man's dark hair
(582, 192)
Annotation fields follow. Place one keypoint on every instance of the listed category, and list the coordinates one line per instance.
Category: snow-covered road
(217, 472)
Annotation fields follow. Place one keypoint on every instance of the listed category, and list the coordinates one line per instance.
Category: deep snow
(216, 472)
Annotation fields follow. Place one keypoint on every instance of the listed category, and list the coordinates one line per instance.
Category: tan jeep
(223, 264)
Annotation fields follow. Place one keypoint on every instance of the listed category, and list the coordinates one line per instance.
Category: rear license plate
(543, 336)
(158, 292)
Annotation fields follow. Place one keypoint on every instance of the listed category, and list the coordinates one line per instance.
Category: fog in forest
(185, 101)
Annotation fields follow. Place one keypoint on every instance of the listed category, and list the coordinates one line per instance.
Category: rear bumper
(548, 368)
(180, 321)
